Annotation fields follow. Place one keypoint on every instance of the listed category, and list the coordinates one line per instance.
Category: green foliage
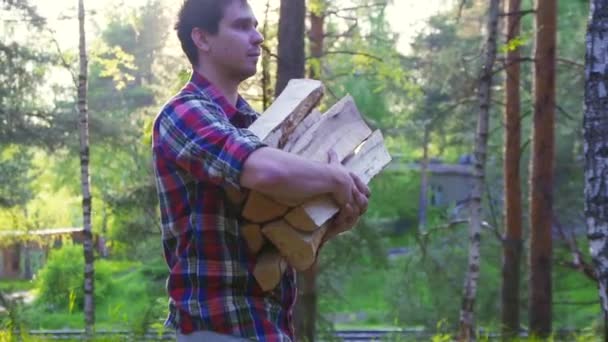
(60, 281)
(432, 87)
(15, 178)
(388, 199)
(128, 295)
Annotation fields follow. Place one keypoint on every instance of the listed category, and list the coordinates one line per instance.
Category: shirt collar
(198, 83)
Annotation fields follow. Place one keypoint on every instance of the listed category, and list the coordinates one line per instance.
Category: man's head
(221, 34)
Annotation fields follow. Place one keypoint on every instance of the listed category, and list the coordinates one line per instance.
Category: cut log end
(253, 236)
(260, 208)
(299, 248)
(299, 219)
(269, 269)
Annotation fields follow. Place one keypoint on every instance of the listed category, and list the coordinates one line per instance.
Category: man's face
(236, 47)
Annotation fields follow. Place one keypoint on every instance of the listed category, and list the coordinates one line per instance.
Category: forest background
(402, 267)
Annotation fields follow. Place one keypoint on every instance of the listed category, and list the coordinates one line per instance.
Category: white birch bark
(467, 313)
(596, 144)
(89, 268)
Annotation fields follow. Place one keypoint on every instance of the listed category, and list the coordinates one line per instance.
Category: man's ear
(201, 39)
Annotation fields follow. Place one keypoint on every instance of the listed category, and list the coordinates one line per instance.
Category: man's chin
(245, 74)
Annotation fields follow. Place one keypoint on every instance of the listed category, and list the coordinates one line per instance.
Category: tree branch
(64, 63)
(351, 53)
(570, 62)
(520, 13)
(578, 261)
(267, 50)
(354, 8)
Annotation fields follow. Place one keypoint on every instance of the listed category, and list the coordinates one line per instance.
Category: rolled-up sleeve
(203, 142)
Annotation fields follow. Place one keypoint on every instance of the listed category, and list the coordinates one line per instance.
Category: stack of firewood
(282, 233)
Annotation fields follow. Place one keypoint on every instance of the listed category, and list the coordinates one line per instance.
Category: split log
(289, 109)
(366, 162)
(341, 129)
(283, 122)
(260, 208)
(254, 237)
(269, 268)
(312, 118)
(299, 248)
(235, 196)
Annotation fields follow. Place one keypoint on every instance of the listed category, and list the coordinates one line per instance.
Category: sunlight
(406, 17)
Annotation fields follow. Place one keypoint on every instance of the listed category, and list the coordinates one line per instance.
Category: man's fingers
(362, 202)
(362, 187)
(345, 212)
(333, 157)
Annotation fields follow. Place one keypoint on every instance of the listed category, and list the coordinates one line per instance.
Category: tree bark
(266, 91)
(467, 324)
(89, 268)
(316, 38)
(595, 127)
(306, 310)
(512, 244)
(291, 61)
(541, 182)
(291, 64)
(423, 199)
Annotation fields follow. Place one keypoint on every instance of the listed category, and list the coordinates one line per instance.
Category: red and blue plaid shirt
(200, 142)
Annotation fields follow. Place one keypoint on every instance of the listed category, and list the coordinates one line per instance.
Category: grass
(135, 300)
(136, 297)
(7, 286)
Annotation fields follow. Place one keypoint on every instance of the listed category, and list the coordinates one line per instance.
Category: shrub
(60, 281)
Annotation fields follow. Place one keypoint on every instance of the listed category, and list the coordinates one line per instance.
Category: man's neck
(228, 87)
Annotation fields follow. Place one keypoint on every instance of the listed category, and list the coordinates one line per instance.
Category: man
(202, 149)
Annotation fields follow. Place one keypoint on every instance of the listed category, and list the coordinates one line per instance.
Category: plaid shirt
(200, 143)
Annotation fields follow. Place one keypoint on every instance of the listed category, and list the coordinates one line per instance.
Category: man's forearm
(283, 175)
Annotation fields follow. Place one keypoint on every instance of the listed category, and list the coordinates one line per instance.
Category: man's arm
(284, 175)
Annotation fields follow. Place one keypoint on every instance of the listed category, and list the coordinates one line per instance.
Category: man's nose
(257, 38)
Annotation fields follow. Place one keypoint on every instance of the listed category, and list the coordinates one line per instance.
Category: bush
(60, 281)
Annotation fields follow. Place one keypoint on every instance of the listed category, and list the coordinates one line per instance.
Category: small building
(448, 184)
(23, 253)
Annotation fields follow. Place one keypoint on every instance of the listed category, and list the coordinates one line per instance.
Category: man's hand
(352, 205)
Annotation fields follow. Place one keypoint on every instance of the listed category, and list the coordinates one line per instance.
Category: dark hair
(204, 14)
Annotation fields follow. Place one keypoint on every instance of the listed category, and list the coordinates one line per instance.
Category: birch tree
(467, 324)
(595, 127)
(89, 269)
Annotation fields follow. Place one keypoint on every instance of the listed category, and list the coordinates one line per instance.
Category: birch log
(280, 119)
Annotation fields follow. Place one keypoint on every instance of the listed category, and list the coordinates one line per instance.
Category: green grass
(16, 285)
(136, 298)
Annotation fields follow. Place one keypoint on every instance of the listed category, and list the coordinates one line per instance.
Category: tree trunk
(596, 146)
(291, 64)
(316, 38)
(541, 183)
(306, 309)
(266, 91)
(89, 270)
(424, 183)
(467, 324)
(291, 61)
(512, 244)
